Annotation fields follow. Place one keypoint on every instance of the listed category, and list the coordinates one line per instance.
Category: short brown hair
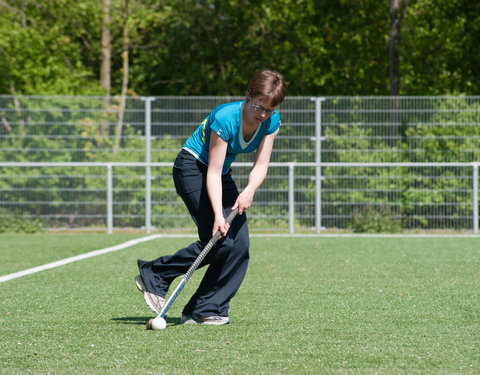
(267, 84)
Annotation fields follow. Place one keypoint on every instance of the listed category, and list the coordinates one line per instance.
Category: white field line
(77, 258)
(155, 236)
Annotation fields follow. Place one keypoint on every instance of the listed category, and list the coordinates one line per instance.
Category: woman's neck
(246, 122)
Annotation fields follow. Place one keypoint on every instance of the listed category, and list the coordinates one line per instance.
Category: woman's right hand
(220, 225)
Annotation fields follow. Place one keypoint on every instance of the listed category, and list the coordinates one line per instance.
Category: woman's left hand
(243, 201)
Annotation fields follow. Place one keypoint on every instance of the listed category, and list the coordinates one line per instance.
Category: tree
(125, 76)
(439, 48)
(397, 13)
(106, 42)
(212, 47)
(47, 48)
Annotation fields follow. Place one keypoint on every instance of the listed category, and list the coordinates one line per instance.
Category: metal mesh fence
(338, 130)
(401, 129)
(64, 197)
(410, 197)
(354, 196)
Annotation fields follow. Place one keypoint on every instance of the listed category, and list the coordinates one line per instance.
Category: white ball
(159, 323)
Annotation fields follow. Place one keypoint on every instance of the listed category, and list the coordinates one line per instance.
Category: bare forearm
(256, 177)
(214, 189)
(257, 174)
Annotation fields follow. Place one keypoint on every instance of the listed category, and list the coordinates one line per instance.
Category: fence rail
(410, 160)
(138, 194)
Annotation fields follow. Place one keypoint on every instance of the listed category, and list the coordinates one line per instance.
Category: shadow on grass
(142, 320)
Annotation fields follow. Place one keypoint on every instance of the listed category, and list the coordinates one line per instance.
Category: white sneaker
(209, 320)
(154, 302)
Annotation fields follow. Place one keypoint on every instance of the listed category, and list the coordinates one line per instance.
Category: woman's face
(258, 109)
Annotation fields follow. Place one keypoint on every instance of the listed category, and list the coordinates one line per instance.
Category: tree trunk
(106, 62)
(397, 13)
(125, 77)
(105, 69)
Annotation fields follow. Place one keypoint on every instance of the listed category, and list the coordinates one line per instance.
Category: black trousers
(228, 259)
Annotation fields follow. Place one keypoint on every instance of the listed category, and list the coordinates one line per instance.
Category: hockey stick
(158, 321)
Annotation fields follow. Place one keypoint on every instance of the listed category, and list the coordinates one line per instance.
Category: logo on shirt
(219, 132)
(204, 124)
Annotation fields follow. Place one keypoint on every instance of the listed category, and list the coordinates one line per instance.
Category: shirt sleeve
(275, 123)
(221, 128)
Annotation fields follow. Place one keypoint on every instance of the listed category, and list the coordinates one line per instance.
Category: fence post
(291, 197)
(475, 198)
(148, 159)
(109, 198)
(318, 160)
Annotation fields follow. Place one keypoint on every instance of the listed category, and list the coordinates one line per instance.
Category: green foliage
(437, 48)
(212, 47)
(20, 224)
(371, 219)
(444, 131)
(49, 48)
(81, 129)
(452, 133)
(321, 48)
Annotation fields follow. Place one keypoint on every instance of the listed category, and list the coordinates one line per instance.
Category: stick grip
(232, 215)
(229, 220)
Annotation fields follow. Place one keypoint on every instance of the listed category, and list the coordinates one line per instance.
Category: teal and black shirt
(226, 121)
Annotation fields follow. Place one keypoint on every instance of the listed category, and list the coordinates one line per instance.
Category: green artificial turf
(307, 306)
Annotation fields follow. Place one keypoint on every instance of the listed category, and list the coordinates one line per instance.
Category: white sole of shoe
(150, 303)
(146, 295)
(139, 284)
(192, 320)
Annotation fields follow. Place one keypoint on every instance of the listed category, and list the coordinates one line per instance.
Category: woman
(202, 177)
